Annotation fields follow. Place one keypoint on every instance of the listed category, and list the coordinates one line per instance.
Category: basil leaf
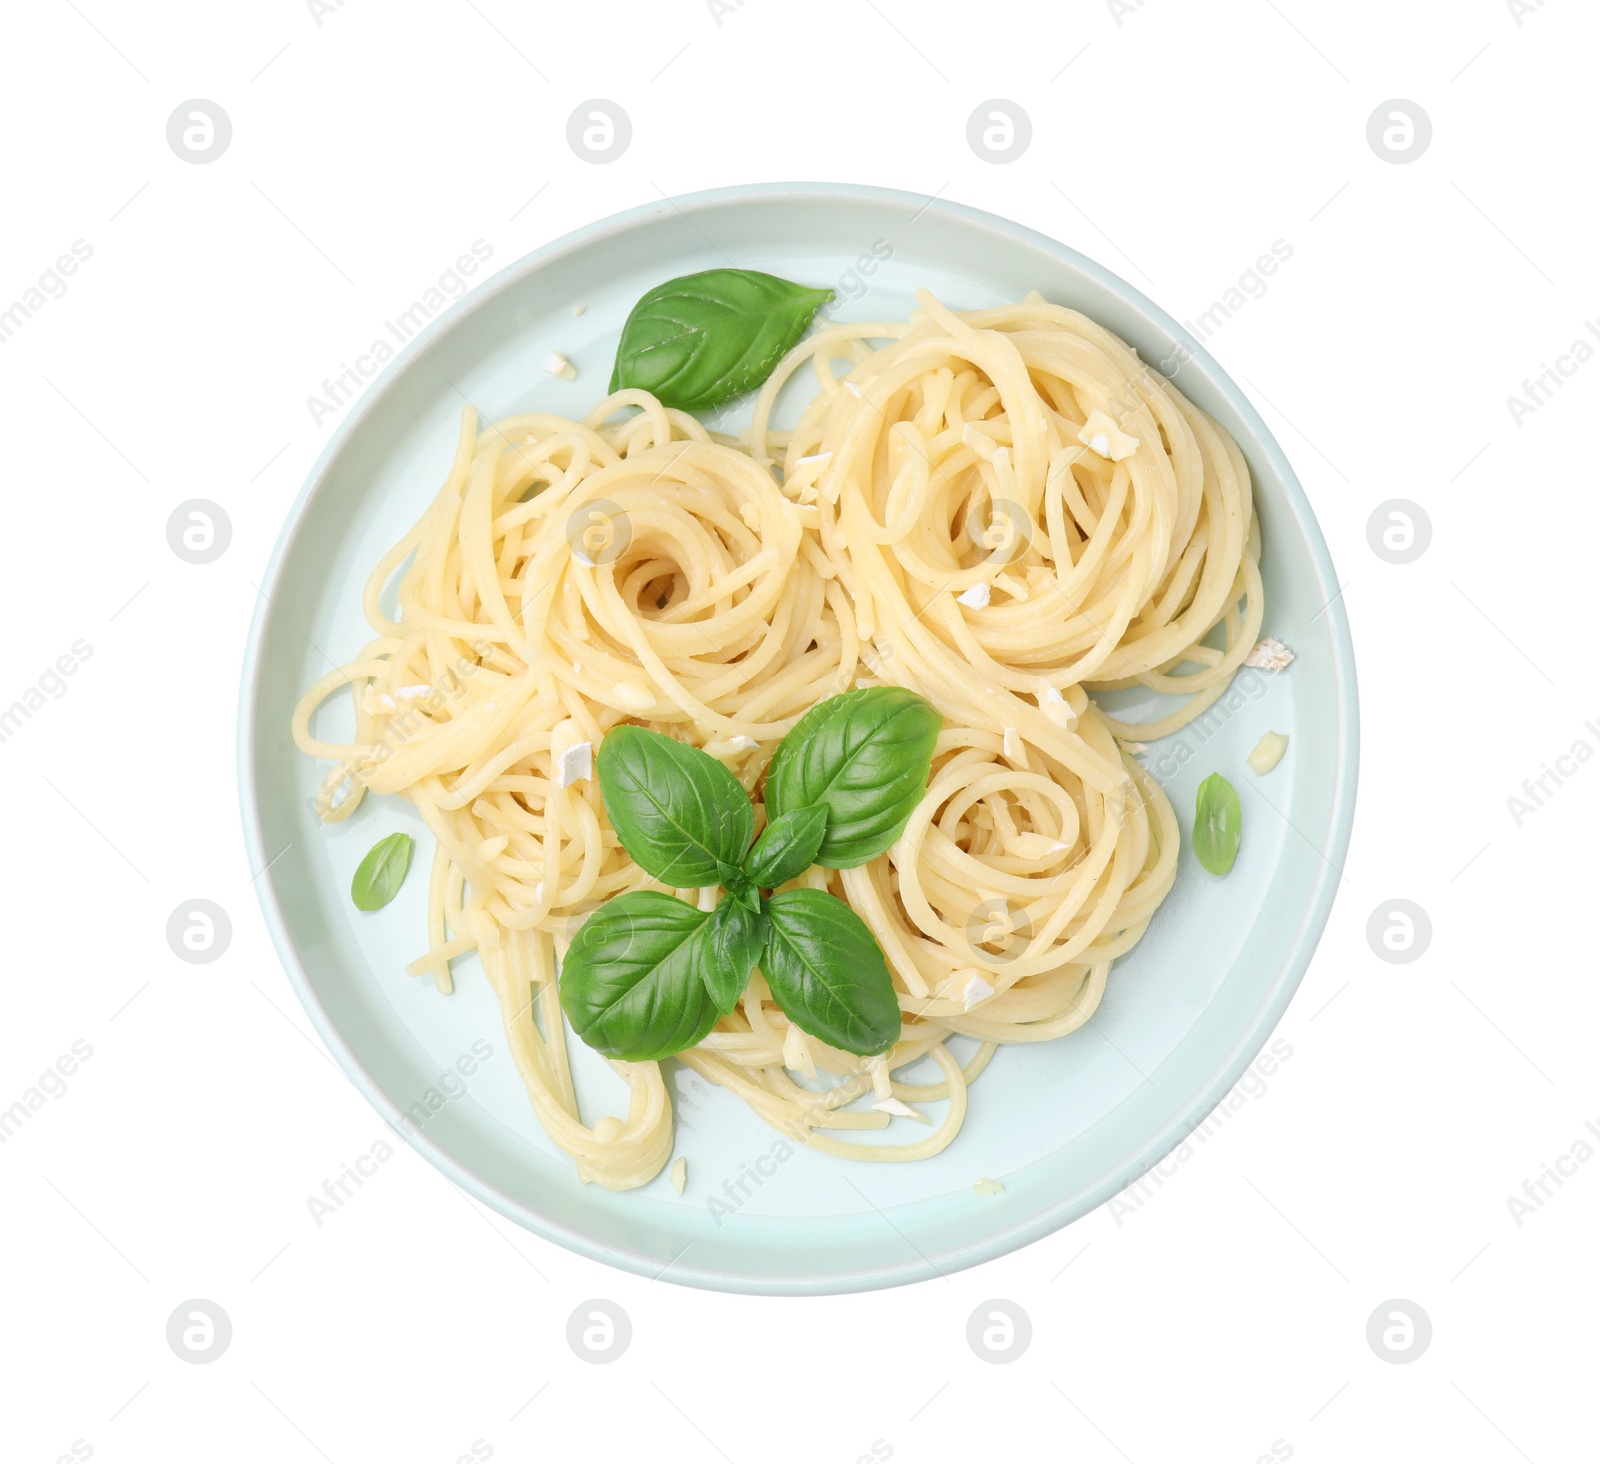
(736, 934)
(681, 815)
(787, 847)
(706, 338)
(379, 876)
(1217, 824)
(865, 757)
(827, 973)
(634, 981)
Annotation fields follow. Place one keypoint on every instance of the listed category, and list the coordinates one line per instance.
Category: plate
(1063, 1125)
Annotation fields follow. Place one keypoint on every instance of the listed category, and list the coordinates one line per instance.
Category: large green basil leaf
(864, 756)
(825, 970)
(701, 340)
(634, 982)
(787, 847)
(680, 814)
(736, 933)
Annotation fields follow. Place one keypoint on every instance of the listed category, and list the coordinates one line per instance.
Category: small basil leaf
(787, 847)
(379, 876)
(1217, 824)
(681, 815)
(827, 973)
(633, 983)
(701, 340)
(736, 934)
(864, 756)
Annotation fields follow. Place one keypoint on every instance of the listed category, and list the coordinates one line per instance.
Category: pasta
(1003, 510)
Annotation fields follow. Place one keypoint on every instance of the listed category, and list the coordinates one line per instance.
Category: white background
(1175, 143)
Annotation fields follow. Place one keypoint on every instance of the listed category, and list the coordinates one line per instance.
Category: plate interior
(1062, 1124)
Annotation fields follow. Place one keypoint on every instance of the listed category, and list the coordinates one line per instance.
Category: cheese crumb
(977, 596)
(1035, 846)
(1101, 435)
(1268, 753)
(975, 991)
(579, 309)
(575, 762)
(1056, 707)
(680, 1174)
(1136, 747)
(375, 703)
(987, 1187)
(1011, 743)
(558, 365)
(901, 1110)
(1269, 655)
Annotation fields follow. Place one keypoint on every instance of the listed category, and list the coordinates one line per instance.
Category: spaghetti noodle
(1002, 510)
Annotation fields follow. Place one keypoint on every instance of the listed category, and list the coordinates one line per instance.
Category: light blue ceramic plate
(1063, 1125)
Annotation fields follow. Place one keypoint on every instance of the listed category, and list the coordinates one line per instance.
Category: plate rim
(1246, 1047)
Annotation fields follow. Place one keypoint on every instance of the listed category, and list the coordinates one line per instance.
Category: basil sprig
(648, 975)
(1218, 824)
(379, 876)
(706, 338)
